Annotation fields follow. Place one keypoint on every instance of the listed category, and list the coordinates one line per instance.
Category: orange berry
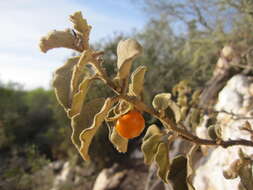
(130, 125)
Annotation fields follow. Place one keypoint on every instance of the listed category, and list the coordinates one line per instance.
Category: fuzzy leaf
(79, 71)
(178, 172)
(161, 101)
(137, 81)
(84, 120)
(176, 110)
(127, 51)
(163, 162)
(190, 169)
(58, 39)
(120, 143)
(150, 146)
(152, 130)
(61, 82)
(87, 134)
(82, 27)
(79, 98)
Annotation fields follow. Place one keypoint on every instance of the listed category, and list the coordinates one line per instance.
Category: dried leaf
(137, 81)
(79, 71)
(61, 82)
(87, 135)
(79, 98)
(212, 132)
(163, 162)
(84, 120)
(176, 110)
(161, 101)
(149, 147)
(82, 27)
(127, 51)
(58, 39)
(178, 172)
(152, 130)
(190, 169)
(120, 143)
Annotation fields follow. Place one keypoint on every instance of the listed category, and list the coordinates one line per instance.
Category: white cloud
(23, 22)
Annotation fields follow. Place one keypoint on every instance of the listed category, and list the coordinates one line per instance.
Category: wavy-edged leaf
(120, 143)
(178, 172)
(81, 26)
(161, 101)
(79, 71)
(163, 161)
(84, 120)
(190, 169)
(79, 98)
(58, 39)
(149, 147)
(61, 82)
(137, 81)
(127, 51)
(87, 135)
(176, 110)
(152, 130)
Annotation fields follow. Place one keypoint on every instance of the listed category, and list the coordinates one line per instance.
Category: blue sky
(23, 22)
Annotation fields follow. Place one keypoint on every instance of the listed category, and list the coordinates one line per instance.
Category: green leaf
(137, 81)
(87, 134)
(163, 162)
(84, 120)
(61, 82)
(58, 39)
(161, 101)
(150, 146)
(120, 143)
(127, 51)
(178, 173)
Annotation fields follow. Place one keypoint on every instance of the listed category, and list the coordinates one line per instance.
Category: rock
(235, 103)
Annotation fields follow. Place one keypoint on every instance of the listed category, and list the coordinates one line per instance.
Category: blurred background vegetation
(181, 40)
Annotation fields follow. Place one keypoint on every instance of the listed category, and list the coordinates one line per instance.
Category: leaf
(176, 110)
(137, 81)
(79, 98)
(87, 134)
(79, 71)
(178, 172)
(127, 51)
(58, 39)
(84, 120)
(152, 130)
(61, 82)
(120, 143)
(81, 26)
(163, 162)
(190, 169)
(161, 101)
(149, 147)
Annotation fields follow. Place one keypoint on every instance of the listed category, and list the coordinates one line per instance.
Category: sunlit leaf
(127, 51)
(152, 130)
(79, 97)
(84, 120)
(190, 169)
(120, 143)
(58, 39)
(81, 26)
(137, 81)
(61, 82)
(161, 101)
(87, 134)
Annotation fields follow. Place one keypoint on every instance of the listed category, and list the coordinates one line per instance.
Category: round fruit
(130, 125)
